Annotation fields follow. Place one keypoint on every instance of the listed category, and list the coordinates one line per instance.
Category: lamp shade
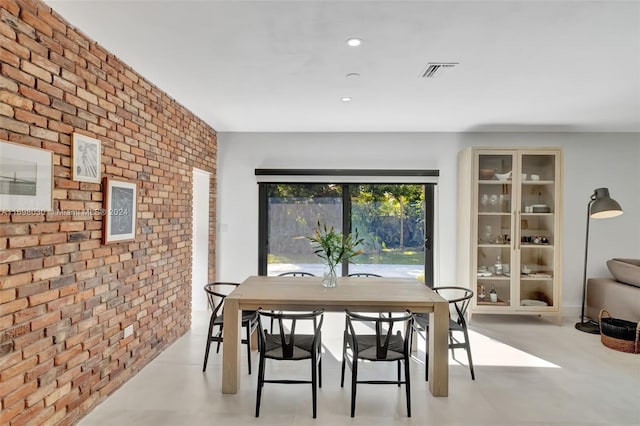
(603, 205)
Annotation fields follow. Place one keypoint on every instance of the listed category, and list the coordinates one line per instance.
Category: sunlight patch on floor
(484, 350)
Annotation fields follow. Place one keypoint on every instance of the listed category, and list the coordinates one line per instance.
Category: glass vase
(329, 278)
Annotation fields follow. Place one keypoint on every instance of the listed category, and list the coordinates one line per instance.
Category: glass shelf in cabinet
(538, 182)
(494, 278)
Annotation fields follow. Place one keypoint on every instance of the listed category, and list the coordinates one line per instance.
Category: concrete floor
(529, 371)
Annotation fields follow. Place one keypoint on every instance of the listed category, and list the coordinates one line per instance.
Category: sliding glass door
(395, 220)
(391, 219)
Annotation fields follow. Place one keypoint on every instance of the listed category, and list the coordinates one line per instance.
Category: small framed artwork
(26, 178)
(85, 158)
(120, 210)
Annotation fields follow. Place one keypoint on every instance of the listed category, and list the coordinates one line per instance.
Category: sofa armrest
(621, 300)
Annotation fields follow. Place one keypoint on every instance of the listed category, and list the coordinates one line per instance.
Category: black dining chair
(383, 345)
(216, 293)
(291, 274)
(367, 275)
(287, 345)
(459, 298)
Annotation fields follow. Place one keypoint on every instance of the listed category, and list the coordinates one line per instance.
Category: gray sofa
(619, 294)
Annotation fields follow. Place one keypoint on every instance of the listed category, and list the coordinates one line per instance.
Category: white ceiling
(280, 66)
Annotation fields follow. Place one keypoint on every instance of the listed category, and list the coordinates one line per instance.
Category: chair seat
(302, 346)
(423, 321)
(247, 316)
(368, 351)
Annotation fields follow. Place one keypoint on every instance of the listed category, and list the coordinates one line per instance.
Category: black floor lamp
(601, 206)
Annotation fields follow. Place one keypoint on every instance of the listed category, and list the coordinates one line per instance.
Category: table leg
(231, 347)
(438, 349)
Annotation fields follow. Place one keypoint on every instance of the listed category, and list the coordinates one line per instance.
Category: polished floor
(529, 372)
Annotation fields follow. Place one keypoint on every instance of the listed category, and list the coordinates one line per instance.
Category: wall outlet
(128, 331)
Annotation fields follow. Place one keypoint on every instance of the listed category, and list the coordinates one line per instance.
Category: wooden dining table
(356, 294)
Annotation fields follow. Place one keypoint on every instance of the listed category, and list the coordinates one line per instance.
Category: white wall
(590, 161)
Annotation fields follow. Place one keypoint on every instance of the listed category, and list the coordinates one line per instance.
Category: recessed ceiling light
(352, 75)
(354, 42)
(345, 99)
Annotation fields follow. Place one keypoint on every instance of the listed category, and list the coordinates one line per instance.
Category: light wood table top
(359, 294)
(305, 293)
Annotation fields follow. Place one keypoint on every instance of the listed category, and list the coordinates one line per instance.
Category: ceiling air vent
(436, 68)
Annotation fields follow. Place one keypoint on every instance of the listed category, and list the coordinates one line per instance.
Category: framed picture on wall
(26, 178)
(85, 158)
(120, 210)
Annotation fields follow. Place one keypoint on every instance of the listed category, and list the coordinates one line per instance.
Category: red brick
(35, 95)
(27, 314)
(26, 241)
(9, 413)
(25, 265)
(57, 260)
(27, 218)
(37, 347)
(51, 20)
(37, 23)
(15, 48)
(40, 298)
(30, 118)
(10, 256)
(16, 100)
(36, 71)
(21, 393)
(53, 238)
(9, 229)
(45, 320)
(10, 6)
(18, 368)
(40, 394)
(7, 295)
(20, 76)
(15, 280)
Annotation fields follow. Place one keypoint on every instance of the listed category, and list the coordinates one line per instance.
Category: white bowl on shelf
(504, 176)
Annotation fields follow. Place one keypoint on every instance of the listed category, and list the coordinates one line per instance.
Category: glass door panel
(391, 219)
(294, 211)
(494, 229)
(538, 183)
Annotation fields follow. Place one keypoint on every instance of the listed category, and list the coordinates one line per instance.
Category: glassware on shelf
(484, 201)
(487, 233)
(498, 266)
(493, 201)
(493, 295)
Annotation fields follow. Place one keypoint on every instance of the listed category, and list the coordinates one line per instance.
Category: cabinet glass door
(537, 209)
(494, 229)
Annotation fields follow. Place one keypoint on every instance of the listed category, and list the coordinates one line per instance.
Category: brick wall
(65, 298)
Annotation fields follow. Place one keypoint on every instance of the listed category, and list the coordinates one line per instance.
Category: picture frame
(86, 157)
(26, 178)
(120, 210)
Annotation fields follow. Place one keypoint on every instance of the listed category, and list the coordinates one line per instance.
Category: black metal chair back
(289, 345)
(296, 274)
(459, 299)
(384, 345)
(364, 275)
(216, 294)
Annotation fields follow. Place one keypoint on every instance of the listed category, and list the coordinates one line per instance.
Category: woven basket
(620, 335)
